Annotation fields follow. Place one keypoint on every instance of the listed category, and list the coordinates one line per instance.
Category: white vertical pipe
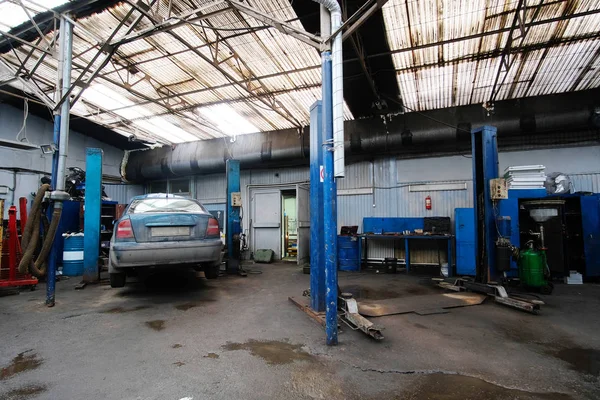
(66, 106)
(337, 72)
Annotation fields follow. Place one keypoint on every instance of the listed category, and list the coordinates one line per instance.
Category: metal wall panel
(123, 193)
(586, 182)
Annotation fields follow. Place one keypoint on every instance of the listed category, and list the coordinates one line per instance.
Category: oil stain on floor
(157, 324)
(211, 355)
(24, 393)
(179, 363)
(272, 351)
(176, 346)
(185, 306)
(586, 361)
(24, 361)
(445, 387)
(122, 310)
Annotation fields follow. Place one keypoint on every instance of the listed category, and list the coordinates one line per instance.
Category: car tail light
(213, 228)
(124, 230)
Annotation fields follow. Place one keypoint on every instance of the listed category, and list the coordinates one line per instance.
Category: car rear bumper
(132, 254)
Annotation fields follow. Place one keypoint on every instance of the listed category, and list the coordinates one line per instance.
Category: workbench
(407, 239)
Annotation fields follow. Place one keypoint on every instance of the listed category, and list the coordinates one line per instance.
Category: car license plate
(170, 231)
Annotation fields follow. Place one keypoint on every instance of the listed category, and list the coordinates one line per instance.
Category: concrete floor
(240, 338)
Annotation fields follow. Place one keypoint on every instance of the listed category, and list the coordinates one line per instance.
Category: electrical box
(498, 189)
(236, 199)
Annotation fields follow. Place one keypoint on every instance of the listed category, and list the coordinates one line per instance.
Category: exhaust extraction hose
(31, 236)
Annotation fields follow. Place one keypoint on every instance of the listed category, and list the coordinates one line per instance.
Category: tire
(117, 280)
(212, 271)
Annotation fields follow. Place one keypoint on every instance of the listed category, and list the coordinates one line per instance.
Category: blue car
(164, 231)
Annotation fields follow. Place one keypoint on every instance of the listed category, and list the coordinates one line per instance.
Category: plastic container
(73, 255)
(444, 270)
(348, 254)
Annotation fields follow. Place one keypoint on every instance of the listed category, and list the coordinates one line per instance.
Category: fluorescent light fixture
(12, 15)
(108, 99)
(436, 187)
(227, 120)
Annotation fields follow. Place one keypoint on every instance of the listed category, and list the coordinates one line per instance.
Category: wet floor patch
(157, 324)
(122, 310)
(586, 361)
(25, 361)
(444, 386)
(24, 392)
(186, 306)
(272, 351)
(176, 346)
(211, 355)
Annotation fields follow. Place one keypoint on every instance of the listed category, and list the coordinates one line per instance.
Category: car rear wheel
(212, 271)
(117, 280)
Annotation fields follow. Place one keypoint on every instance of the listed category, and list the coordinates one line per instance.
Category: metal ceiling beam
(281, 26)
(226, 74)
(214, 103)
(484, 34)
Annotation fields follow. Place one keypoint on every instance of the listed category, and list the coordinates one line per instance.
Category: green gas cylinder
(532, 264)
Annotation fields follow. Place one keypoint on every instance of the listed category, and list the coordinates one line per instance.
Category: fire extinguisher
(428, 203)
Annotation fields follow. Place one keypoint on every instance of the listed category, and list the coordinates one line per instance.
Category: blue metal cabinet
(464, 218)
(590, 213)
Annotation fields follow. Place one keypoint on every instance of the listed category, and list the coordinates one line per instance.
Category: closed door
(464, 219)
(266, 220)
(303, 220)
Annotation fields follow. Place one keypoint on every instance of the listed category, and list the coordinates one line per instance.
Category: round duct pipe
(370, 137)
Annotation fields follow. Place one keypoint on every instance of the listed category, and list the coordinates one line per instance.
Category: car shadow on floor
(164, 286)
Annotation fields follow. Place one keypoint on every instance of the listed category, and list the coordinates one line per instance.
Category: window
(181, 187)
(165, 205)
(158, 187)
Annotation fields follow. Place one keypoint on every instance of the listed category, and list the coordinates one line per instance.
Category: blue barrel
(348, 254)
(73, 256)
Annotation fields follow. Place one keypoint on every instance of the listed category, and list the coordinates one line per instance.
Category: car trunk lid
(161, 227)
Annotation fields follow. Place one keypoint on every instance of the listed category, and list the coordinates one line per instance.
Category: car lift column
(317, 255)
(92, 211)
(233, 223)
(485, 167)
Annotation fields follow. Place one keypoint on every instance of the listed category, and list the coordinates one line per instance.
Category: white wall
(40, 131)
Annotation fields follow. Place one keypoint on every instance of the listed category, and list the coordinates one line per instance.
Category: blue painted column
(485, 167)
(234, 228)
(329, 207)
(91, 215)
(317, 260)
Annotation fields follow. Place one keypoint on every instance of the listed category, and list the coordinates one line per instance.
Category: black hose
(31, 236)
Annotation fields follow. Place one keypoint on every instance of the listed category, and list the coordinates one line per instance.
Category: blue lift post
(93, 207)
(317, 259)
(485, 167)
(329, 207)
(234, 225)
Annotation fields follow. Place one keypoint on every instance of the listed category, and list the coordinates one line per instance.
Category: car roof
(160, 196)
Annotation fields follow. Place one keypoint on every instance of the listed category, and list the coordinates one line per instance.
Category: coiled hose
(31, 237)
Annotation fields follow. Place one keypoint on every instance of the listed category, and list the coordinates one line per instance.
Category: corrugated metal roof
(559, 52)
(445, 52)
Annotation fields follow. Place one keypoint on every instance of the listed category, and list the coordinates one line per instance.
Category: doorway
(280, 221)
(289, 224)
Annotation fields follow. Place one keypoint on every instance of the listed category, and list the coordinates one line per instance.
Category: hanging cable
(24, 126)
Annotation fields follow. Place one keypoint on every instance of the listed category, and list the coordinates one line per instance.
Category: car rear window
(157, 205)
